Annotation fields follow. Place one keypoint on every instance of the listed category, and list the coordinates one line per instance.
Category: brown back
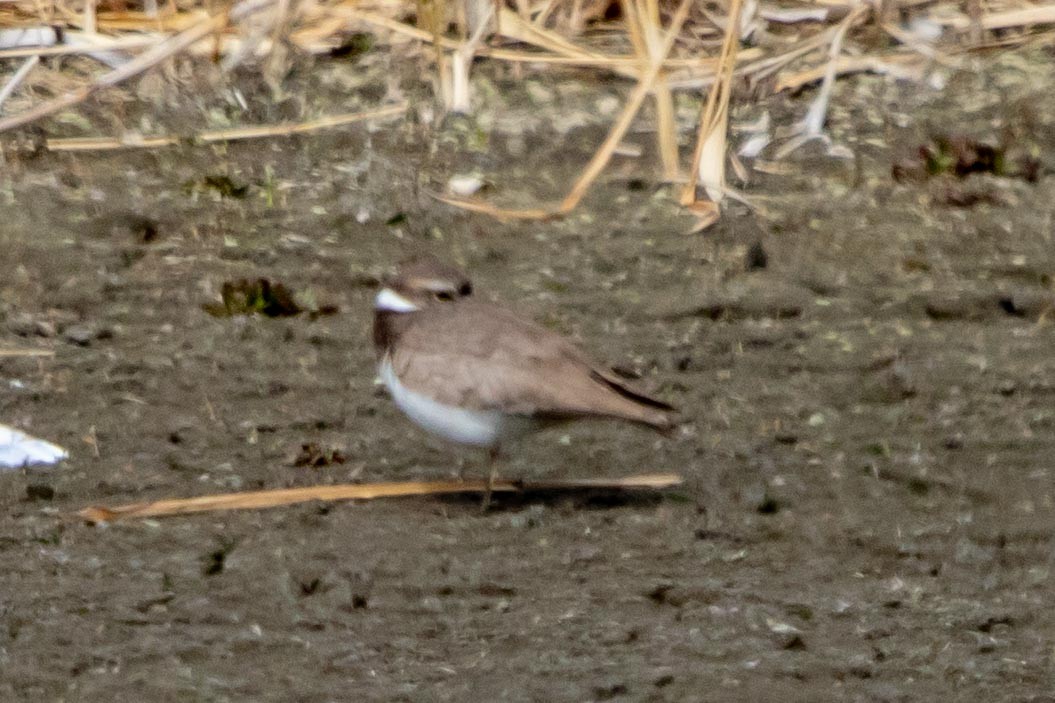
(476, 355)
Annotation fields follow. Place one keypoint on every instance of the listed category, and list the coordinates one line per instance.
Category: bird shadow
(566, 498)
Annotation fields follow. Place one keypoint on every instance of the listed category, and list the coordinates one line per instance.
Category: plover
(478, 374)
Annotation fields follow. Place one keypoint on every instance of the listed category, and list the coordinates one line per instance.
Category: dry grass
(662, 47)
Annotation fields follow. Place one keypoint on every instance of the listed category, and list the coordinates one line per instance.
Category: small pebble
(81, 335)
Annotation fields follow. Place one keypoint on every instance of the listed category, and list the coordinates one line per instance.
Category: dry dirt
(868, 512)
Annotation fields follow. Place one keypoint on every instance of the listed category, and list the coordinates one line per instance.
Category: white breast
(482, 428)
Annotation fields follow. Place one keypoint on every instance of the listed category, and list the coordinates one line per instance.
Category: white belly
(482, 428)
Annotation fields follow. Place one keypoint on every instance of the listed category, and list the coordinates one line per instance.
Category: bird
(478, 374)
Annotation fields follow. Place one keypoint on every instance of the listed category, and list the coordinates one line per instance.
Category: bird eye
(444, 295)
(465, 290)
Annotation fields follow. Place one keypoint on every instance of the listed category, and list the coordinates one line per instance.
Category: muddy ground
(868, 512)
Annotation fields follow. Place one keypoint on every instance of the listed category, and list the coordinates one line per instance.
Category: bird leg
(492, 465)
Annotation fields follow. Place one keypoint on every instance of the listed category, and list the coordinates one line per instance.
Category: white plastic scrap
(17, 449)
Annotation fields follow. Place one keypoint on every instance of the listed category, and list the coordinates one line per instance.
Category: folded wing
(493, 360)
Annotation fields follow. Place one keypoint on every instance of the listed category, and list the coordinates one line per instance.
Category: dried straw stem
(104, 44)
(633, 104)
(253, 500)
(223, 135)
(714, 119)
(643, 26)
(16, 80)
(601, 157)
(812, 124)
